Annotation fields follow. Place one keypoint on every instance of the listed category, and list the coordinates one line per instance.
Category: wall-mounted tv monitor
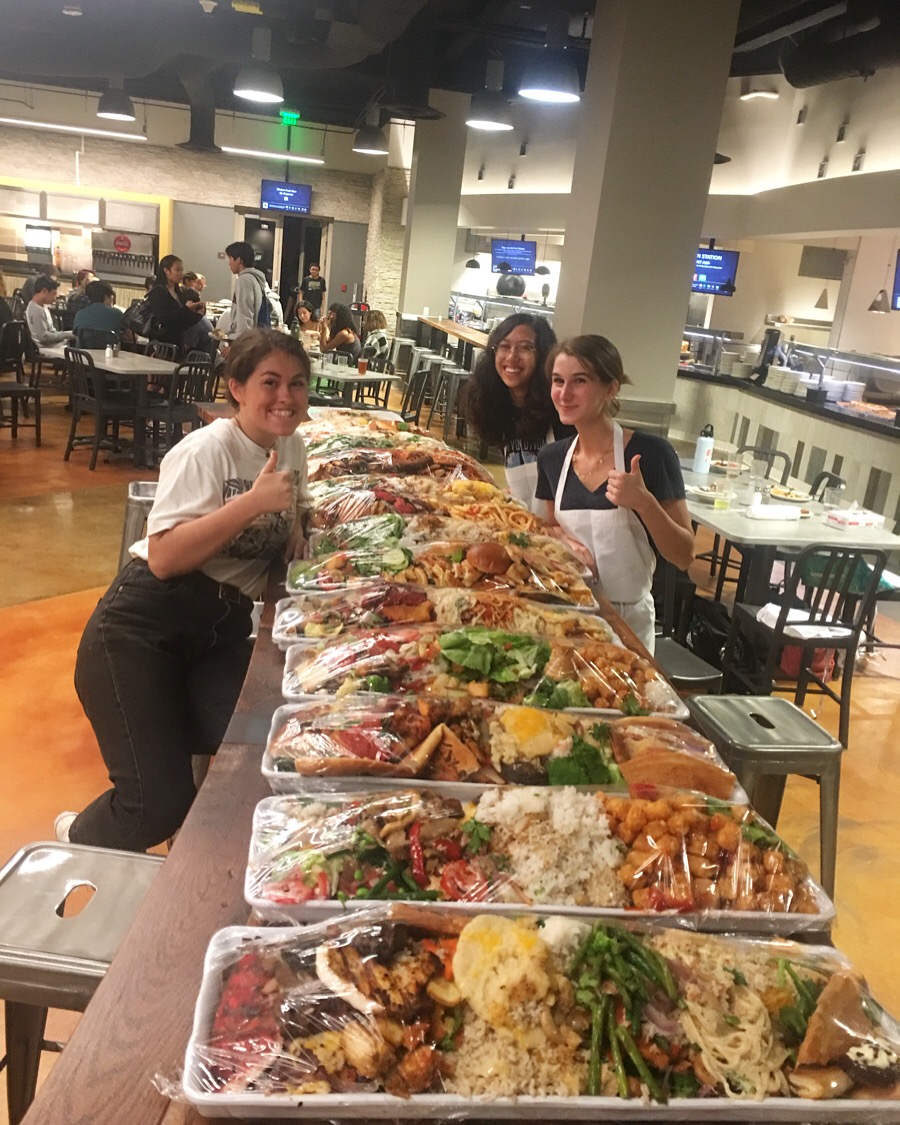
(38, 238)
(514, 255)
(715, 272)
(275, 195)
(895, 296)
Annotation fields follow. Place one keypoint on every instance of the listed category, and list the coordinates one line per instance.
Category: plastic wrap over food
(416, 1012)
(326, 420)
(310, 617)
(662, 751)
(439, 739)
(436, 461)
(483, 663)
(553, 575)
(393, 530)
(328, 444)
(335, 502)
(519, 847)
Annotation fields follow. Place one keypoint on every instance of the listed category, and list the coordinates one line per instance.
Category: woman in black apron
(509, 400)
(617, 491)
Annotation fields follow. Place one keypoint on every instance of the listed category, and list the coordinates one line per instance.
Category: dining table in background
(134, 366)
(435, 333)
(348, 378)
(759, 540)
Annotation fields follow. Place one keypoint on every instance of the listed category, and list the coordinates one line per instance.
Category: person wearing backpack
(250, 307)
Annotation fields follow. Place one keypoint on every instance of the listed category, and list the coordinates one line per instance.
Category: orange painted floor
(59, 549)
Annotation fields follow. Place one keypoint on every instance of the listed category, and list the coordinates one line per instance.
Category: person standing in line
(250, 307)
(509, 403)
(43, 331)
(617, 491)
(164, 654)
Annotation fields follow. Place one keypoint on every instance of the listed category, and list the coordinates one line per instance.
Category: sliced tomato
(464, 879)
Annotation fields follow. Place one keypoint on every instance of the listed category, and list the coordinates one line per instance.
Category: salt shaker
(109, 351)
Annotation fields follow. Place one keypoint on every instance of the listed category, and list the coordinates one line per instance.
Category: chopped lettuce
(587, 764)
(492, 654)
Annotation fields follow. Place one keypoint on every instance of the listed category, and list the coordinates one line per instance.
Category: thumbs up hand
(273, 490)
(627, 489)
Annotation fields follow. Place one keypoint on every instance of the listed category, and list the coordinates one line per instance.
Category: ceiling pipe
(202, 103)
(814, 62)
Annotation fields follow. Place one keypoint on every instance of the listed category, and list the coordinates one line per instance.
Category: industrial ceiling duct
(819, 59)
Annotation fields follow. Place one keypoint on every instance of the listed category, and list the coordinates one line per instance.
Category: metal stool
(763, 739)
(48, 960)
(141, 494)
(450, 379)
(684, 670)
(401, 346)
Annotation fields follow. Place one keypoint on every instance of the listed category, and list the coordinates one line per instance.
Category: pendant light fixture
(543, 269)
(552, 78)
(881, 303)
(822, 302)
(370, 139)
(115, 104)
(259, 82)
(473, 263)
(489, 109)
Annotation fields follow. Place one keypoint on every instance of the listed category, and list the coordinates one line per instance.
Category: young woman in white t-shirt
(163, 657)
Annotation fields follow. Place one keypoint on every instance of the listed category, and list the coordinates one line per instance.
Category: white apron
(521, 480)
(618, 541)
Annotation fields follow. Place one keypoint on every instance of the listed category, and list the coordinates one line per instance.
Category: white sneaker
(62, 824)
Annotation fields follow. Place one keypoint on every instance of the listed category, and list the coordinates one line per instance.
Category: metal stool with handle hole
(763, 739)
(141, 494)
(52, 956)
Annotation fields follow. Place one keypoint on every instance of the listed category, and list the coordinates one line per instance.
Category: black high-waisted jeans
(159, 670)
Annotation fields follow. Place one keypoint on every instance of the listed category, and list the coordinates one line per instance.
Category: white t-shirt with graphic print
(206, 469)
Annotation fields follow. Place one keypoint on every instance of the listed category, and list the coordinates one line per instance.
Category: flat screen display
(715, 272)
(38, 238)
(895, 296)
(275, 195)
(518, 256)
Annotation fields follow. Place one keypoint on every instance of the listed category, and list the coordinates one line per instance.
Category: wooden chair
(92, 395)
(836, 586)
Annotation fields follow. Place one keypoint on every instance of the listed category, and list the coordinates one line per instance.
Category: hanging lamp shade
(115, 104)
(880, 303)
(542, 270)
(259, 83)
(489, 111)
(822, 302)
(552, 79)
(370, 138)
(473, 264)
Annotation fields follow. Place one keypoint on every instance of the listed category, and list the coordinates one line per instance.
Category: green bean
(618, 1067)
(631, 1048)
(596, 1061)
(807, 1001)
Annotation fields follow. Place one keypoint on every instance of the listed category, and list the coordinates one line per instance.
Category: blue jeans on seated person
(159, 671)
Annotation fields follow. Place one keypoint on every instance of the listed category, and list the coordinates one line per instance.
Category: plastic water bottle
(703, 450)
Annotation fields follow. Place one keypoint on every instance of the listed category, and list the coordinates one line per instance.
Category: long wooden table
(138, 1023)
(434, 331)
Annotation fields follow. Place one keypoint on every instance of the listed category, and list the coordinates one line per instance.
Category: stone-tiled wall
(384, 244)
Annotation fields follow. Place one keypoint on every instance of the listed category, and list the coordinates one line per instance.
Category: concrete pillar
(646, 141)
(432, 212)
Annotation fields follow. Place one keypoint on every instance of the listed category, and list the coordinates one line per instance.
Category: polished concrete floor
(61, 528)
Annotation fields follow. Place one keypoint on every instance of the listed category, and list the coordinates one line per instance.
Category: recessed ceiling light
(72, 10)
(749, 95)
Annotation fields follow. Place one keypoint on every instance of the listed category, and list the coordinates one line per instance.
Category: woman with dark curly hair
(509, 400)
(163, 657)
(337, 332)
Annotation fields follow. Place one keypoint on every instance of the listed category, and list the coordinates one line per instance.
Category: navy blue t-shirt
(659, 466)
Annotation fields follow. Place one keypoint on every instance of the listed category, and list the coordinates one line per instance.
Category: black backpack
(708, 631)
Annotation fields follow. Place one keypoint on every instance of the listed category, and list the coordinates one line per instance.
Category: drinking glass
(341, 360)
(831, 498)
(362, 365)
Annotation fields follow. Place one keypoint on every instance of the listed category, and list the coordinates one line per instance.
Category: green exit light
(289, 118)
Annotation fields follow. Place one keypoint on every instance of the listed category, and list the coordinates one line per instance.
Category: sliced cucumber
(396, 559)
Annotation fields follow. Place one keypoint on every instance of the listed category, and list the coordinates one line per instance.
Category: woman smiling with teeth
(164, 655)
(618, 492)
(509, 400)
